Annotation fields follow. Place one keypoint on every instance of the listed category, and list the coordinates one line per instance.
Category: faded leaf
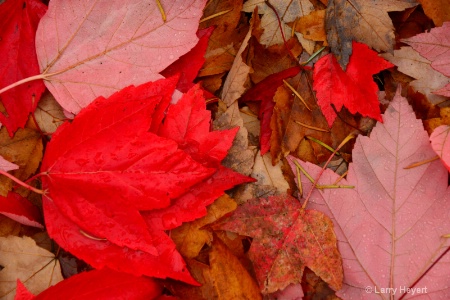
(312, 26)
(234, 87)
(435, 46)
(364, 21)
(25, 150)
(269, 175)
(413, 64)
(287, 238)
(287, 11)
(21, 259)
(440, 142)
(84, 47)
(49, 114)
(226, 38)
(393, 214)
(190, 237)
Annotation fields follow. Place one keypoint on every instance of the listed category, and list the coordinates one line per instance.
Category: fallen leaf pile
(224, 149)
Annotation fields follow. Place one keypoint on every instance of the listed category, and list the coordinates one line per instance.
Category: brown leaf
(22, 259)
(190, 238)
(365, 21)
(437, 10)
(49, 114)
(226, 38)
(230, 279)
(25, 150)
(312, 26)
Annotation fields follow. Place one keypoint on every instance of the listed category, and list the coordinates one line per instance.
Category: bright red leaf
(18, 60)
(96, 285)
(189, 64)
(105, 169)
(18, 208)
(353, 88)
(391, 226)
(440, 142)
(264, 92)
(88, 49)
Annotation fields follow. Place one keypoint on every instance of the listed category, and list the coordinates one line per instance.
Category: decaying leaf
(364, 21)
(288, 11)
(24, 150)
(190, 237)
(22, 259)
(398, 216)
(286, 239)
(413, 64)
(49, 114)
(434, 46)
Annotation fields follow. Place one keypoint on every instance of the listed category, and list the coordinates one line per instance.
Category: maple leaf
(287, 238)
(353, 88)
(428, 80)
(264, 92)
(84, 48)
(17, 34)
(97, 284)
(109, 201)
(18, 208)
(22, 259)
(393, 214)
(434, 46)
(288, 11)
(365, 21)
(440, 143)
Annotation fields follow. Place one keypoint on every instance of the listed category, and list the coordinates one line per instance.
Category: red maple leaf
(123, 161)
(96, 284)
(18, 60)
(353, 88)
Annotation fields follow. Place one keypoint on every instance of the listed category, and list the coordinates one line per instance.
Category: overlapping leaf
(353, 88)
(440, 141)
(88, 49)
(105, 168)
(18, 60)
(391, 227)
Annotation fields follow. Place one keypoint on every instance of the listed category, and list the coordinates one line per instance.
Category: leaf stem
(348, 138)
(38, 191)
(22, 81)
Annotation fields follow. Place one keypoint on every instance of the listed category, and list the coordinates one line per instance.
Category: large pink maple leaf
(391, 227)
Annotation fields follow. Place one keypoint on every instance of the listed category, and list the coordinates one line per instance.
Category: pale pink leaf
(390, 227)
(89, 48)
(6, 165)
(440, 141)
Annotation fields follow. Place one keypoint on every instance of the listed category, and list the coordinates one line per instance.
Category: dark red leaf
(264, 92)
(18, 26)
